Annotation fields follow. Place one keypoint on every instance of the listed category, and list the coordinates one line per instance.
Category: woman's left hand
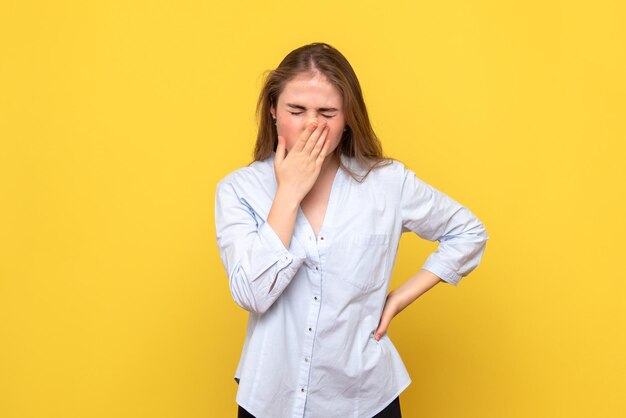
(389, 311)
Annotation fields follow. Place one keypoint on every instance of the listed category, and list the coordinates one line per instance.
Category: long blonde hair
(358, 140)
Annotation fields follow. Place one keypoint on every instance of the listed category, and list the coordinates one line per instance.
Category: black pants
(391, 411)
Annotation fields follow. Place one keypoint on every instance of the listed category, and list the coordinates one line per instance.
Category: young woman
(308, 235)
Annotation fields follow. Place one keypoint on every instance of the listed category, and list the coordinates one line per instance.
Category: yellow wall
(118, 118)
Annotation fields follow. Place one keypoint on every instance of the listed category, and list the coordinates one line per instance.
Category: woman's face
(305, 98)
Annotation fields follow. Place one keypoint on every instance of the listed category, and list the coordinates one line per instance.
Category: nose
(314, 119)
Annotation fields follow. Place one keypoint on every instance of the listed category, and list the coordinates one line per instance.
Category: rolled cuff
(443, 272)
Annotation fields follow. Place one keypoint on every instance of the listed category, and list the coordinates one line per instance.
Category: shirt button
(315, 297)
(302, 390)
(310, 329)
(306, 359)
(322, 238)
(317, 268)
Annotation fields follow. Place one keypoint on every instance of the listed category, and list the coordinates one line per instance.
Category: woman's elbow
(243, 294)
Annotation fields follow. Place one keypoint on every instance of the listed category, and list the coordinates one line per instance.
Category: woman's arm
(403, 296)
(282, 216)
(261, 260)
(296, 173)
(434, 216)
(258, 264)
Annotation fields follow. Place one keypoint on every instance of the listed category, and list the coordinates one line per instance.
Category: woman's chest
(314, 209)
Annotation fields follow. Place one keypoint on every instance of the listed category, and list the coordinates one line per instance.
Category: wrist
(394, 299)
(286, 199)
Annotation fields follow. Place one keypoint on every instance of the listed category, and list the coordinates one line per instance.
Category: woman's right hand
(297, 171)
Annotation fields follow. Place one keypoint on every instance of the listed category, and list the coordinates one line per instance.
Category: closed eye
(299, 113)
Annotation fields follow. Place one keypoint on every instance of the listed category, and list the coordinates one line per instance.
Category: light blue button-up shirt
(313, 308)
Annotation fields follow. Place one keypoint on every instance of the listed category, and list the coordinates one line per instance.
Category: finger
(304, 136)
(320, 142)
(382, 328)
(384, 324)
(280, 151)
(312, 140)
(324, 152)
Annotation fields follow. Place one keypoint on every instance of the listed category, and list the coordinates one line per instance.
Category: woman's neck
(330, 165)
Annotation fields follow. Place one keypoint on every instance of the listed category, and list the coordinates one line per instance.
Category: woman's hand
(390, 310)
(297, 172)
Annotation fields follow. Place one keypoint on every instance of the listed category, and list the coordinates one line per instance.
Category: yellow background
(118, 118)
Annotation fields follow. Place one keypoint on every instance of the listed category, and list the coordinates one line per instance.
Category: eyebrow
(321, 109)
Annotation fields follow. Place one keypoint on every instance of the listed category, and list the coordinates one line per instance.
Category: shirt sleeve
(258, 265)
(434, 216)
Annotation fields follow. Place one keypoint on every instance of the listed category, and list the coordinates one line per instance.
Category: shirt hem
(398, 392)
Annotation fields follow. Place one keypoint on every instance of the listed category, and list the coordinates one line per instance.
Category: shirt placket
(314, 248)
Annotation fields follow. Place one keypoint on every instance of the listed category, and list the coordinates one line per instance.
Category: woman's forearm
(414, 287)
(400, 298)
(282, 216)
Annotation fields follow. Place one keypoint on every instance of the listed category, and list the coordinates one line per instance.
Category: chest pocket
(361, 259)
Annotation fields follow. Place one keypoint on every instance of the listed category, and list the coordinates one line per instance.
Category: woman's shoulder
(252, 186)
(396, 167)
(386, 168)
